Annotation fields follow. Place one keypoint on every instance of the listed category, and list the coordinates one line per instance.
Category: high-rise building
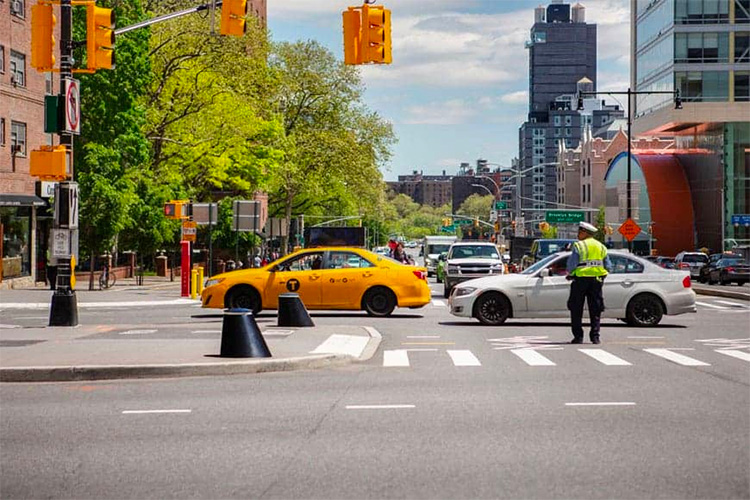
(702, 49)
(562, 56)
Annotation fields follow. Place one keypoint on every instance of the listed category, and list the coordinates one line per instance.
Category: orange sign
(189, 230)
(629, 229)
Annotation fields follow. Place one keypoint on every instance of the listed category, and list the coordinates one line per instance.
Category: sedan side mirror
(544, 273)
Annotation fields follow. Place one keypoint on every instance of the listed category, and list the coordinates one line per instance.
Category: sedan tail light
(730, 269)
(686, 282)
(420, 275)
(684, 265)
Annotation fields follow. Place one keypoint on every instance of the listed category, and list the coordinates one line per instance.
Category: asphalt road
(446, 409)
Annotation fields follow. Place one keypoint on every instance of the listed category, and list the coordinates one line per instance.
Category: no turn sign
(72, 106)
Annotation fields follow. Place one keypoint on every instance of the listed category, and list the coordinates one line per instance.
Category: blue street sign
(741, 220)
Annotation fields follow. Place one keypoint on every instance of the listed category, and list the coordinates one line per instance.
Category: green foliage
(549, 233)
(476, 206)
(601, 224)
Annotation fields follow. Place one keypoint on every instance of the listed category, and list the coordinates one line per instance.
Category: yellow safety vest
(591, 255)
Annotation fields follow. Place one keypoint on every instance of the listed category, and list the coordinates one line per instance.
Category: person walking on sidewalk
(587, 268)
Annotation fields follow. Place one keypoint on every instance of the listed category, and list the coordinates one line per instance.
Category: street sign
(246, 215)
(519, 226)
(741, 220)
(189, 231)
(501, 205)
(629, 229)
(72, 107)
(205, 213)
(448, 229)
(493, 215)
(60, 243)
(66, 205)
(564, 216)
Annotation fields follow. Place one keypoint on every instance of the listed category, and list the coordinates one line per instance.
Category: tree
(476, 206)
(601, 224)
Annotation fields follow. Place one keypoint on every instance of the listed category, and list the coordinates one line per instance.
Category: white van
(432, 247)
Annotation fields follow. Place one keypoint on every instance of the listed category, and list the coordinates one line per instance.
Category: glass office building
(702, 49)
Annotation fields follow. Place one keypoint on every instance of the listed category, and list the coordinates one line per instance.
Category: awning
(21, 200)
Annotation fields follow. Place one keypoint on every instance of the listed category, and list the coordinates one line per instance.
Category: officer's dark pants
(52, 277)
(582, 290)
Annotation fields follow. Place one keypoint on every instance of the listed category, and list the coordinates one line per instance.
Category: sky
(457, 89)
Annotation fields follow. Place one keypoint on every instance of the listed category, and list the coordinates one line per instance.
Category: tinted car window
(623, 265)
(695, 258)
(469, 252)
(305, 262)
(731, 262)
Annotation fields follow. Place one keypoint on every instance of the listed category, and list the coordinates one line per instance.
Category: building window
(18, 68)
(702, 11)
(697, 86)
(742, 11)
(568, 120)
(2, 59)
(49, 83)
(558, 119)
(18, 138)
(741, 47)
(540, 37)
(701, 47)
(18, 8)
(742, 86)
(2, 131)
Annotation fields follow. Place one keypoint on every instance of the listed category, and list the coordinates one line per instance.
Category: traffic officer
(587, 267)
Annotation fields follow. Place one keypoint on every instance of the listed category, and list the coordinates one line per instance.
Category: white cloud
(309, 9)
(453, 112)
(518, 97)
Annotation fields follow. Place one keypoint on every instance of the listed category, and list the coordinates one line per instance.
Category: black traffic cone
(292, 311)
(241, 337)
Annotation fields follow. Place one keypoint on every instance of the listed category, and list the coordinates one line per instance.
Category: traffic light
(376, 35)
(178, 209)
(352, 36)
(42, 37)
(580, 102)
(497, 227)
(677, 99)
(49, 163)
(100, 38)
(170, 210)
(233, 13)
(476, 221)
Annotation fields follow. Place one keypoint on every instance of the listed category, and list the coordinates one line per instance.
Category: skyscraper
(562, 52)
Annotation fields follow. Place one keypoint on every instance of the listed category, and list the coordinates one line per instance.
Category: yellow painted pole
(193, 283)
(200, 280)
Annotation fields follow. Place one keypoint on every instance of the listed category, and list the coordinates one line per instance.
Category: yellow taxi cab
(324, 278)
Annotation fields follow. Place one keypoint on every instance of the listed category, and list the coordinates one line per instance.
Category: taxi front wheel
(379, 301)
(244, 297)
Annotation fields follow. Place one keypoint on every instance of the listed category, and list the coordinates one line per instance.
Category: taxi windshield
(539, 265)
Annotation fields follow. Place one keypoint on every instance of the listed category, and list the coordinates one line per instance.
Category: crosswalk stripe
(397, 358)
(705, 304)
(604, 357)
(676, 358)
(464, 358)
(438, 303)
(734, 304)
(532, 357)
(735, 354)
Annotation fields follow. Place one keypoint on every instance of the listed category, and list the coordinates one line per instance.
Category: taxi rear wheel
(244, 297)
(379, 301)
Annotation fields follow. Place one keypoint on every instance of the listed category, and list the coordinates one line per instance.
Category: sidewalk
(735, 292)
(134, 337)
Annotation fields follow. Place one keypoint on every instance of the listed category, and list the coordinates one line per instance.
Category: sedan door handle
(627, 283)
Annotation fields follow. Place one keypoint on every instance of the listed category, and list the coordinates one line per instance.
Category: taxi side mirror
(544, 273)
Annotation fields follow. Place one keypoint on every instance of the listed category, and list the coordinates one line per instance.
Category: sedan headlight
(496, 268)
(465, 290)
(427, 260)
(212, 282)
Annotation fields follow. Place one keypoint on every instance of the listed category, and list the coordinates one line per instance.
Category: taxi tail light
(420, 275)
(686, 282)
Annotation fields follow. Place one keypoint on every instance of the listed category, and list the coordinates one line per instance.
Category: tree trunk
(91, 271)
(288, 218)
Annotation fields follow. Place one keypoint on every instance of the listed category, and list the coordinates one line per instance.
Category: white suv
(471, 259)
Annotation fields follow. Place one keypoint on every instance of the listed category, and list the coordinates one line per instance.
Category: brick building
(433, 190)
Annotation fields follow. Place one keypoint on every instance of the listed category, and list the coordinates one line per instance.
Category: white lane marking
(613, 403)
(438, 303)
(10, 326)
(352, 345)
(423, 336)
(374, 333)
(604, 357)
(378, 407)
(532, 357)
(138, 332)
(705, 304)
(418, 349)
(397, 358)
(464, 358)
(105, 305)
(735, 354)
(136, 412)
(734, 304)
(676, 358)
(644, 337)
(206, 331)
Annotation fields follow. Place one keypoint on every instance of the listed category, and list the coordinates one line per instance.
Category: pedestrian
(400, 254)
(257, 261)
(587, 268)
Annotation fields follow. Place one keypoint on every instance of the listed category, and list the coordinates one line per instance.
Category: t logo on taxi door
(292, 285)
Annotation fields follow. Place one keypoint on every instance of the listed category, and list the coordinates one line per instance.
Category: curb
(112, 372)
(729, 294)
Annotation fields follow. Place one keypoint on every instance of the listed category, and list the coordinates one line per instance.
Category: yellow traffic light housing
(352, 36)
(178, 209)
(376, 34)
(100, 38)
(50, 163)
(233, 13)
(42, 37)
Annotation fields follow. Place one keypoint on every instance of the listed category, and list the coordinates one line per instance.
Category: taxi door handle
(313, 277)
(367, 274)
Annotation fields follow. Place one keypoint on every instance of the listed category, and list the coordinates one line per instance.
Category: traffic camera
(42, 37)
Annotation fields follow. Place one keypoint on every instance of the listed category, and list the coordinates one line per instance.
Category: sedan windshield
(539, 265)
(474, 252)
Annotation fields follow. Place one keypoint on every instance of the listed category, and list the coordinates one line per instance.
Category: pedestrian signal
(170, 210)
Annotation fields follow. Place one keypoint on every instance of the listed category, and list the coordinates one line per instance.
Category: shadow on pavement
(558, 325)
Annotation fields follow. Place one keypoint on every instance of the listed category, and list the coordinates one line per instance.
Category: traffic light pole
(64, 307)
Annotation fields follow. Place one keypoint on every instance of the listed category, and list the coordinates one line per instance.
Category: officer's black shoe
(595, 339)
(577, 340)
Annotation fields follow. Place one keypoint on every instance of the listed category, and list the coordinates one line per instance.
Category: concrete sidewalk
(149, 331)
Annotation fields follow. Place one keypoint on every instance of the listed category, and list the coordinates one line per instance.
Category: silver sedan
(636, 291)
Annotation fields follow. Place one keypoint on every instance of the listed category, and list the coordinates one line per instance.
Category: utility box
(161, 265)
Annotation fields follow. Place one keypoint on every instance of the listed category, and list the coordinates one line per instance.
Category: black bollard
(64, 308)
(292, 311)
(241, 337)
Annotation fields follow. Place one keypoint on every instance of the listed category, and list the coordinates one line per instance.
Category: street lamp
(677, 105)
(485, 188)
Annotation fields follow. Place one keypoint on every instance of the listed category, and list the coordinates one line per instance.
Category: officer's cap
(585, 226)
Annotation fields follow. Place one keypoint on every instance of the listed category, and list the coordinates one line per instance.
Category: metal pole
(630, 161)
(210, 241)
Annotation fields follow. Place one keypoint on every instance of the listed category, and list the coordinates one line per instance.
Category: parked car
(636, 291)
(712, 260)
(729, 270)
(665, 262)
(470, 259)
(544, 247)
(691, 261)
